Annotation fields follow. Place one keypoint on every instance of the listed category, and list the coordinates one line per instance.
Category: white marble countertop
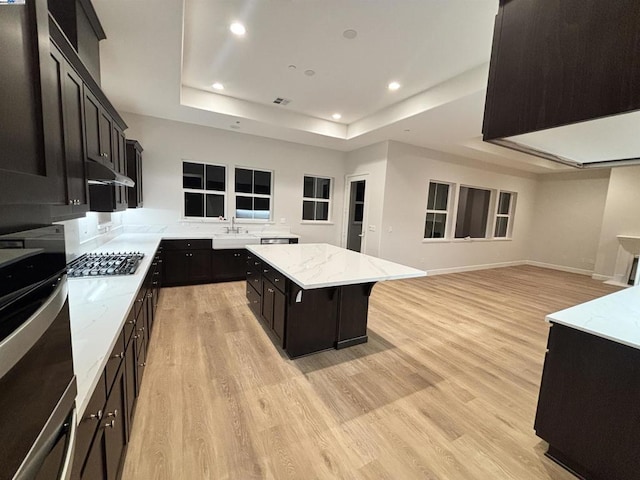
(98, 308)
(318, 265)
(615, 317)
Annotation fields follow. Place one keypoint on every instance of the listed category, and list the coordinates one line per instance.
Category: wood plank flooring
(446, 387)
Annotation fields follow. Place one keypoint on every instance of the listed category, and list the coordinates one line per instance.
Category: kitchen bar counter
(615, 317)
(320, 265)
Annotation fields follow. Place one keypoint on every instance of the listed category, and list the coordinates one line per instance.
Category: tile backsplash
(88, 233)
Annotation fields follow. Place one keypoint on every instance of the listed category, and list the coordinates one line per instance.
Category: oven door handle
(16, 345)
(65, 472)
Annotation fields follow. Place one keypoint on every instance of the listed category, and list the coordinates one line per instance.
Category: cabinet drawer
(254, 279)
(277, 278)
(254, 264)
(115, 359)
(254, 299)
(193, 244)
(129, 326)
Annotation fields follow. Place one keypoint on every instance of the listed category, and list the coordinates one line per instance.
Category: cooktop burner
(101, 264)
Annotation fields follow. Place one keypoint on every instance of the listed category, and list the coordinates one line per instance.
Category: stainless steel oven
(37, 384)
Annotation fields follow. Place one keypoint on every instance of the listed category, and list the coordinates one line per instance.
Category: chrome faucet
(233, 229)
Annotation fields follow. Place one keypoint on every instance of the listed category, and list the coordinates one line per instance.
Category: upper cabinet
(563, 81)
(134, 171)
(30, 137)
(79, 22)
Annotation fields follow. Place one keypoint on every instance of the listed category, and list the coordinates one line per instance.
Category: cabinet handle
(118, 355)
(132, 322)
(95, 416)
(149, 295)
(141, 329)
(113, 414)
(110, 424)
(256, 263)
(270, 290)
(156, 273)
(70, 202)
(154, 283)
(140, 300)
(277, 279)
(143, 364)
(265, 270)
(188, 244)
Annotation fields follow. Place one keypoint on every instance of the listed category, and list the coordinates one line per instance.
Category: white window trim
(329, 220)
(258, 195)
(448, 212)
(508, 216)
(204, 192)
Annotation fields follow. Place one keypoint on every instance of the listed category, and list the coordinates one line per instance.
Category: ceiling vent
(282, 101)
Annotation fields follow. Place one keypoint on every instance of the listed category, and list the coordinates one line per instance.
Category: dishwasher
(275, 241)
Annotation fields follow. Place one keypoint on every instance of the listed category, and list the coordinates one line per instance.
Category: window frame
(253, 195)
(508, 216)
(328, 201)
(204, 191)
(447, 212)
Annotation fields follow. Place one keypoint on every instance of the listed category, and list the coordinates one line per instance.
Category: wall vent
(282, 101)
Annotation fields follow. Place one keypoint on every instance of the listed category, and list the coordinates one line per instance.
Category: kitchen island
(314, 297)
(589, 403)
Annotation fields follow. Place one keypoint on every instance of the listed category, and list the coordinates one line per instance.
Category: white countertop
(615, 317)
(318, 265)
(98, 308)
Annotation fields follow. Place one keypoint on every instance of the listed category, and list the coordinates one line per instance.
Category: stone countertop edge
(371, 273)
(615, 317)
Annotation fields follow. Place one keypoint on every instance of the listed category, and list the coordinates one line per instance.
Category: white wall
(409, 170)
(621, 217)
(166, 143)
(568, 215)
(370, 161)
(87, 233)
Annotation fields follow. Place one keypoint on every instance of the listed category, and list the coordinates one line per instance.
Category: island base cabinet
(352, 318)
(311, 320)
(589, 405)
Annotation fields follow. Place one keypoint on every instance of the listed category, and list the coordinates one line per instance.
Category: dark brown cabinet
(229, 265)
(114, 425)
(589, 404)
(186, 262)
(557, 63)
(134, 172)
(274, 309)
(29, 107)
(92, 116)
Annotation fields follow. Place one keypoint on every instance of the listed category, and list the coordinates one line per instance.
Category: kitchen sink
(222, 241)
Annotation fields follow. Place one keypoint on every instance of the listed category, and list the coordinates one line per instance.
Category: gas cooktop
(102, 264)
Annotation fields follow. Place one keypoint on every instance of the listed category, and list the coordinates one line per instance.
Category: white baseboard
(602, 278)
(562, 268)
(471, 268)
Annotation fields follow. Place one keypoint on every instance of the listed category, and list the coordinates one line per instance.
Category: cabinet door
(176, 267)
(199, 266)
(74, 140)
(115, 426)
(279, 312)
(130, 374)
(28, 110)
(106, 138)
(268, 294)
(95, 467)
(141, 363)
(92, 126)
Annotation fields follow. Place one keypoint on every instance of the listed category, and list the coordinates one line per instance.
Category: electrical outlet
(372, 228)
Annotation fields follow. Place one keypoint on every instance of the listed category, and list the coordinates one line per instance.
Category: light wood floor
(446, 388)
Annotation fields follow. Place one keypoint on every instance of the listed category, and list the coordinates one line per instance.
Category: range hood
(563, 81)
(99, 174)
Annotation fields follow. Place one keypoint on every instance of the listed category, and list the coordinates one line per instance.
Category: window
(204, 188)
(316, 200)
(253, 194)
(503, 214)
(437, 210)
(473, 212)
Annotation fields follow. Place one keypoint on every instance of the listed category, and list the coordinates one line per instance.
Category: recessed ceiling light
(237, 29)
(292, 67)
(336, 116)
(309, 73)
(235, 127)
(217, 86)
(350, 34)
(394, 86)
